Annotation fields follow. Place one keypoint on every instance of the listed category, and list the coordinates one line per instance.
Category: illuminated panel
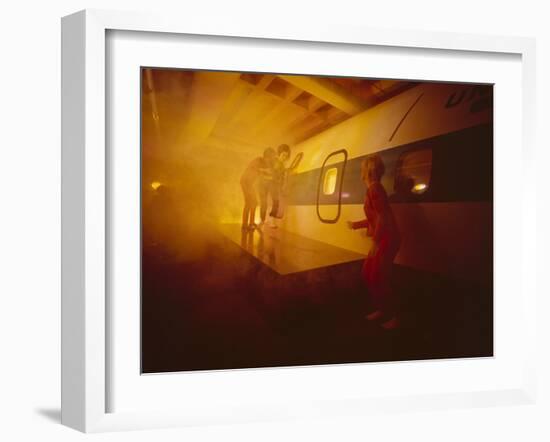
(419, 188)
(329, 183)
(287, 252)
(414, 172)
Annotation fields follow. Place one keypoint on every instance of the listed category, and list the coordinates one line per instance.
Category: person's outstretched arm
(354, 225)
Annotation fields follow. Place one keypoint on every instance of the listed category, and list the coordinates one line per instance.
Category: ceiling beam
(379, 88)
(327, 91)
(308, 128)
(279, 109)
(386, 89)
(208, 94)
(259, 88)
(313, 105)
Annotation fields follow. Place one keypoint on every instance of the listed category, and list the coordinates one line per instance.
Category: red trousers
(377, 274)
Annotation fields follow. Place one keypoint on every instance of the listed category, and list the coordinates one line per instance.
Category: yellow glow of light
(155, 185)
(329, 184)
(419, 188)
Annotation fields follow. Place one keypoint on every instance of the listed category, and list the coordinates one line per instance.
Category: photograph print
(299, 220)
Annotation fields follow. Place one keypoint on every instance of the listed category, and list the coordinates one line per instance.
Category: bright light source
(155, 185)
(329, 184)
(419, 188)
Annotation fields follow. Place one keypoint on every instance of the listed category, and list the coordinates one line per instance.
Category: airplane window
(329, 186)
(329, 183)
(413, 172)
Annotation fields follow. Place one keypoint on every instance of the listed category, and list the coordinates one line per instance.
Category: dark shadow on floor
(224, 309)
(51, 414)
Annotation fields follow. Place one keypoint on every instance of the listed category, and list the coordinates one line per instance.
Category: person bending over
(279, 170)
(258, 168)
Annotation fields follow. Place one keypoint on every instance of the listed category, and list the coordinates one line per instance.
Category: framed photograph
(262, 223)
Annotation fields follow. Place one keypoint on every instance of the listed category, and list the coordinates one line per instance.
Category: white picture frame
(85, 205)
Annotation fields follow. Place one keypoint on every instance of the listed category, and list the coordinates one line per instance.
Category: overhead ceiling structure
(248, 112)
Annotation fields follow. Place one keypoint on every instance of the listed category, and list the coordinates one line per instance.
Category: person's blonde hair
(373, 168)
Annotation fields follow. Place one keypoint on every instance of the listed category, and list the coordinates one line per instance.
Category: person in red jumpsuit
(381, 226)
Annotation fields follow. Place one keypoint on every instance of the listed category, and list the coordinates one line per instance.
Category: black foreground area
(223, 309)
